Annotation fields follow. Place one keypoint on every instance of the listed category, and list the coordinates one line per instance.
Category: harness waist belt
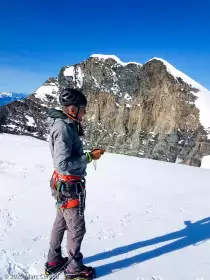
(66, 178)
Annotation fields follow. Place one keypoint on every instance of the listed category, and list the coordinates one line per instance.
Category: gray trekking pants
(68, 219)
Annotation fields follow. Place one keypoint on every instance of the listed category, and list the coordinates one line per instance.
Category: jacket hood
(56, 114)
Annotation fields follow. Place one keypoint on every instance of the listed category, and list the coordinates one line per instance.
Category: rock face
(149, 110)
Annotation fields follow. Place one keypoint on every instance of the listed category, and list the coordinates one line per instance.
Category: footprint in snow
(39, 167)
(7, 221)
(11, 198)
(19, 270)
(41, 237)
(110, 234)
(127, 219)
(13, 169)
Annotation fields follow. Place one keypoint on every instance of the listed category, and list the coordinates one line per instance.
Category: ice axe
(96, 154)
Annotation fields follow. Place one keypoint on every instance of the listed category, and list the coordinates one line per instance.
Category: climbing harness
(69, 191)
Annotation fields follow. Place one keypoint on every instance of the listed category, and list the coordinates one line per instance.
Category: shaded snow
(127, 97)
(80, 76)
(30, 121)
(12, 126)
(76, 73)
(95, 82)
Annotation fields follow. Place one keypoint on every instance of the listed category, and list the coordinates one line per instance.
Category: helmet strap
(74, 118)
(77, 113)
(78, 124)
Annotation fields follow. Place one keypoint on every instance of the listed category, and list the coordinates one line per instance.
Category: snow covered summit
(113, 57)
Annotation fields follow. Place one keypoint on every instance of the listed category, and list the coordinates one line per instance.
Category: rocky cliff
(151, 110)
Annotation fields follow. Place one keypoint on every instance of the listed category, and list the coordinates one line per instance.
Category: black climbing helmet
(71, 96)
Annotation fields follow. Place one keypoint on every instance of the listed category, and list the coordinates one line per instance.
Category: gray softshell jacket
(65, 145)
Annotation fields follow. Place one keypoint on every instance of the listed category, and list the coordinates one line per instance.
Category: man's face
(81, 113)
(73, 110)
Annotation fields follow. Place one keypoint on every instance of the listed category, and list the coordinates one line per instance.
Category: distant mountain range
(8, 97)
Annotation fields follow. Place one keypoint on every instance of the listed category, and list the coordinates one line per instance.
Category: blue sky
(38, 37)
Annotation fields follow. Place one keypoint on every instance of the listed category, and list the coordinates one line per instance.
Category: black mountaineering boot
(52, 268)
(85, 273)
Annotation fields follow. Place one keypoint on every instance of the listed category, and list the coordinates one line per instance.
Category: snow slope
(205, 162)
(144, 218)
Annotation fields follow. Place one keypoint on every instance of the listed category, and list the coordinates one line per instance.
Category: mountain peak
(203, 95)
(178, 74)
(113, 57)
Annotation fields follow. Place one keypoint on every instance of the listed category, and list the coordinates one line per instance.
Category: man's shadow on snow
(193, 233)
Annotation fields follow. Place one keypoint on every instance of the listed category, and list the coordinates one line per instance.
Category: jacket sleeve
(63, 136)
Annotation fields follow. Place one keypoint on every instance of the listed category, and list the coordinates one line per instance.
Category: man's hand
(96, 153)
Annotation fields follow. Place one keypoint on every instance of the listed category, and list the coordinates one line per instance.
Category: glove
(95, 154)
